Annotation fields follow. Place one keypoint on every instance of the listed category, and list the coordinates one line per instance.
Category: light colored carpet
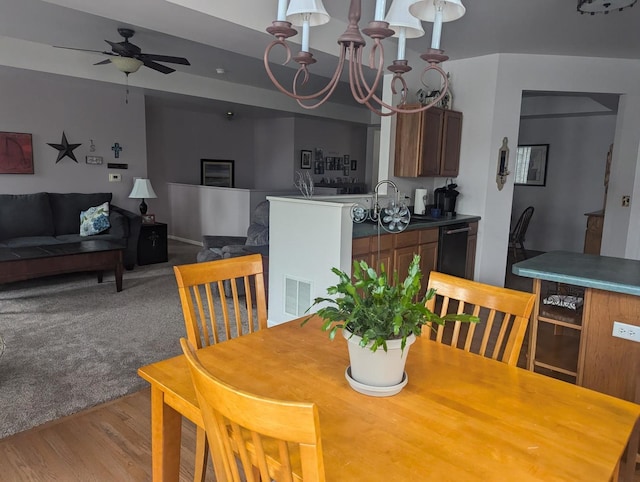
(72, 343)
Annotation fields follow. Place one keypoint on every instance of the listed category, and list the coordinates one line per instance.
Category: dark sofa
(44, 218)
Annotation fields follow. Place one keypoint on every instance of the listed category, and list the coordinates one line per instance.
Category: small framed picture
(148, 219)
(305, 159)
(354, 164)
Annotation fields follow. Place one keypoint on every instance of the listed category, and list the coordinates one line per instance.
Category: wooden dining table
(461, 417)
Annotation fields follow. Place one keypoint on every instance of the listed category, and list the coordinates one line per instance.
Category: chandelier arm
(330, 87)
(333, 83)
(395, 110)
(356, 75)
(431, 66)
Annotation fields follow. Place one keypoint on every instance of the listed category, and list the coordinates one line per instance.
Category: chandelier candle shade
(403, 20)
(142, 189)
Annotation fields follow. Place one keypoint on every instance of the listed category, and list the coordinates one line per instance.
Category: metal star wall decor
(65, 149)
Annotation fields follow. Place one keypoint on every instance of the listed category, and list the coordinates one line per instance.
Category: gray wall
(45, 105)
(266, 151)
(336, 139)
(575, 179)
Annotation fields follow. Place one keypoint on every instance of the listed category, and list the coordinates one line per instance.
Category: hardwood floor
(109, 442)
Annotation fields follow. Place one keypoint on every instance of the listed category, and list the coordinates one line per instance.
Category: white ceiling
(163, 27)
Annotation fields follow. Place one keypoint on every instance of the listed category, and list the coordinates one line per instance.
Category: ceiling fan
(128, 58)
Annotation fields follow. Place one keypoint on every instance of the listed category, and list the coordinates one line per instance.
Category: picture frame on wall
(16, 150)
(217, 173)
(354, 164)
(148, 219)
(531, 165)
(305, 159)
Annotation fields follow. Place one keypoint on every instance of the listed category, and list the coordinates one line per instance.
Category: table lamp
(142, 189)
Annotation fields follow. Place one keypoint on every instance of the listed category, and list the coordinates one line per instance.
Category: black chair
(517, 236)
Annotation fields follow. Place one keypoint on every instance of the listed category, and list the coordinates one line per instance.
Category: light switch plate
(115, 177)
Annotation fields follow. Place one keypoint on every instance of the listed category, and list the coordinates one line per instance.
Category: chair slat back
(504, 315)
(272, 439)
(210, 314)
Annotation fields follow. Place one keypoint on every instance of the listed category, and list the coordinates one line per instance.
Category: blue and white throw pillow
(94, 220)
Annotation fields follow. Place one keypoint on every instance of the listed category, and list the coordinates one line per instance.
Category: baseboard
(184, 240)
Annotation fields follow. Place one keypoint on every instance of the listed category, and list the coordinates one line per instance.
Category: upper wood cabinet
(428, 143)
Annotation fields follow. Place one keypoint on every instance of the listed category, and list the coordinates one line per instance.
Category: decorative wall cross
(116, 148)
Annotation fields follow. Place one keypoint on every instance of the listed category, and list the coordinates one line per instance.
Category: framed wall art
(16, 153)
(216, 173)
(531, 165)
(305, 159)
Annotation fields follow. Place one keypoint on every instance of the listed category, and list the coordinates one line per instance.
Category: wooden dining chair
(210, 316)
(504, 316)
(268, 439)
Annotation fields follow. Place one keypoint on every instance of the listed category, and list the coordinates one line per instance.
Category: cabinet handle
(456, 231)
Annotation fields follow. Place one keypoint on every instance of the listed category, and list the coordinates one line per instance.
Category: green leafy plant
(372, 307)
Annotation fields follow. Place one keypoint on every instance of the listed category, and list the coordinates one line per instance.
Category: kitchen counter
(361, 230)
(587, 270)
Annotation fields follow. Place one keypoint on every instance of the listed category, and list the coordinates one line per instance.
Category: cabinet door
(360, 250)
(402, 258)
(452, 134)
(431, 142)
(428, 262)
(381, 252)
(407, 150)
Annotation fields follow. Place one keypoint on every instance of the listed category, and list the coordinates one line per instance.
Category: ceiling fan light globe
(128, 65)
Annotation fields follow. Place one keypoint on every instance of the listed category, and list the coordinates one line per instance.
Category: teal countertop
(588, 270)
(360, 230)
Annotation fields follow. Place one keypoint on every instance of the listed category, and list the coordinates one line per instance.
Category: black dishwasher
(452, 249)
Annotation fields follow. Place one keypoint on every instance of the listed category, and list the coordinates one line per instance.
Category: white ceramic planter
(379, 368)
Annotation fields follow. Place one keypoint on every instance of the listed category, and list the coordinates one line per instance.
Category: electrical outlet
(625, 201)
(115, 177)
(626, 331)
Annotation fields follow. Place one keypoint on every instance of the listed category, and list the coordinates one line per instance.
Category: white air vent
(297, 296)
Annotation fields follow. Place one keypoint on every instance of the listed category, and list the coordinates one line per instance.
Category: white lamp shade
(399, 16)
(426, 10)
(128, 65)
(298, 9)
(142, 189)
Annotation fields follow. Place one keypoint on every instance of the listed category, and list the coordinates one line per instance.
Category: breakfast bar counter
(594, 292)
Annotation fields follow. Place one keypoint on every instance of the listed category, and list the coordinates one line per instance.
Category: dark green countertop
(360, 230)
(588, 270)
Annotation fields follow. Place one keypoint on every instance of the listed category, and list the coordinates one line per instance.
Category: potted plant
(380, 318)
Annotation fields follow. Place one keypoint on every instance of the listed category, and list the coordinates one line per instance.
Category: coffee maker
(445, 199)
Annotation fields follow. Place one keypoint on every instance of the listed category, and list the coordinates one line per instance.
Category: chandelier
(403, 20)
(603, 6)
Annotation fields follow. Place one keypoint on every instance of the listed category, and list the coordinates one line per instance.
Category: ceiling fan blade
(165, 58)
(84, 50)
(105, 61)
(159, 67)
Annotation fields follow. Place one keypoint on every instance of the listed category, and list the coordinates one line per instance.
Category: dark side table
(152, 244)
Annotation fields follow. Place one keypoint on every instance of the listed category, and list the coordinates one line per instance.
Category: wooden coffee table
(18, 264)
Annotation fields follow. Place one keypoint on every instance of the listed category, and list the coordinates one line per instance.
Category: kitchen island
(610, 289)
